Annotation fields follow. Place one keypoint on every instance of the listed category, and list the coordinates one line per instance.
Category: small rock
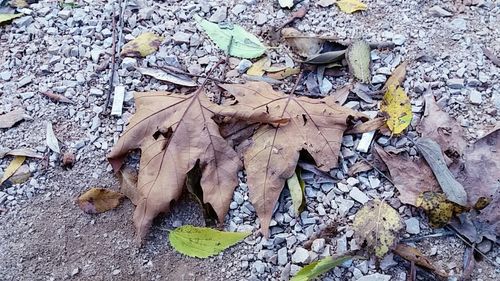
(64, 14)
(341, 245)
(455, 83)
(96, 92)
(116, 272)
(283, 256)
(75, 271)
(458, 24)
(301, 255)
(358, 195)
(318, 245)
(24, 81)
(129, 63)
(326, 3)
(238, 9)
(439, 12)
(195, 69)
(6, 75)
(412, 226)
(384, 70)
(260, 18)
(325, 87)
(475, 97)
(219, 15)
(485, 246)
(375, 277)
(259, 266)
(398, 39)
(387, 262)
(243, 65)
(181, 37)
(378, 79)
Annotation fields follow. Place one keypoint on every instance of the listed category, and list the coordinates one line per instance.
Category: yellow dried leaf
(257, 69)
(287, 72)
(351, 6)
(378, 224)
(397, 76)
(12, 168)
(99, 200)
(145, 44)
(438, 208)
(397, 107)
(8, 17)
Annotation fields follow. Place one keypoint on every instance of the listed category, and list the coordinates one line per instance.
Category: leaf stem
(296, 83)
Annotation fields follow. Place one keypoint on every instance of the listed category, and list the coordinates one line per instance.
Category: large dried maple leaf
(316, 125)
(174, 132)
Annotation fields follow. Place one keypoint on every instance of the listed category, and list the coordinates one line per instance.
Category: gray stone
(455, 83)
(375, 277)
(439, 12)
(412, 226)
(96, 92)
(495, 98)
(318, 245)
(384, 70)
(260, 18)
(483, 77)
(341, 245)
(238, 9)
(388, 262)
(24, 81)
(181, 37)
(23, 21)
(6, 75)
(458, 24)
(358, 195)
(378, 79)
(325, 87)
(301, 255)
(282, 256)
(219, 15)
(398, 39)
(475, 97)
(129, 63)
(243, 66)
(64, 14)
(259, 266)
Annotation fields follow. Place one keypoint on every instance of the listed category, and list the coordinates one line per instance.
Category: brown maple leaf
(315, 125)
(175, 132)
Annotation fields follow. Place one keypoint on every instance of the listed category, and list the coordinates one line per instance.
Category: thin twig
(113, 60)
(296, 83)
(227, 56)
(432, 235)
(169, 68)
(375, 168)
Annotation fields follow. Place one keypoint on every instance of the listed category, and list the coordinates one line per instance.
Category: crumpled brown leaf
(414, 255)
(174, 132)
(99, 200)
(316, 125)
(9, 119)
(411, 177)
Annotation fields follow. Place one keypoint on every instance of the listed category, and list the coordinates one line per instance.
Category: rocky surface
(66, 50)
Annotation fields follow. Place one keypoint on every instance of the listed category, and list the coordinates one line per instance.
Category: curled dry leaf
(285, 73)
(234, 37)
(162, 75)
(378, 224)
(257, 69)
(315, 125)
(359, 167)
(99, 200)
(9, 119)
(431, 151)
(368, 126)
(396, 105)
(128, 184)
(351, 6)
(341, 94)
(410, 176)
(359, 60)
(12, 168)
(8, 17)
(439, 210)
(397, 76)
(414, 255)
(57, 97)
(174, 132)
(202, 242)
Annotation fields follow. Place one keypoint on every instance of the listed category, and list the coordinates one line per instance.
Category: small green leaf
(202, 242)
(8, 17)
(239, 42)
(296, 186)
(317, 268)
(359, 60)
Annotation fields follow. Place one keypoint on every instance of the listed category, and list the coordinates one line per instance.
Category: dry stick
(169, 68)
(228, 56)
(296, 83)
(113, 60)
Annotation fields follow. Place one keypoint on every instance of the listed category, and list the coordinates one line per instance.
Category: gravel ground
(66, 50)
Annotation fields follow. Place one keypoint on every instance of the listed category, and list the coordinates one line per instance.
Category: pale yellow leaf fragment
(257, 69)
(145, 44)
(351, 6)
(397, 107)
(12, 168)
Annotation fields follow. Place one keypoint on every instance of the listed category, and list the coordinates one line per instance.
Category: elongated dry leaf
(359, 60)
(128, 184)
(397, 76)
(51, 138)
(439, 210)
(161, 75)
(378, 224)
(285, 73)
(21, 152)
(410, 176)
(174, 132)
(315, 269)
(303, 45)
(396, 105)
(351, 6)
(359, 167)
(257, 69)
(235, 38)
(414, 255)
(99, 200)
(296, 186)
(57, 97)
(202, 242)
(326, 57)
(145, 44)
(9, 119)
(431, 151)
(370, 125)
(8, 17)
(439, 126)
(316, 125)
(12, 168)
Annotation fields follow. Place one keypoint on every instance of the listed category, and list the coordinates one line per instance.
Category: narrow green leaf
(296, 186)
(317, 268)
(8, 17)
(359, 60)
(239, 42)
(202, 242)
